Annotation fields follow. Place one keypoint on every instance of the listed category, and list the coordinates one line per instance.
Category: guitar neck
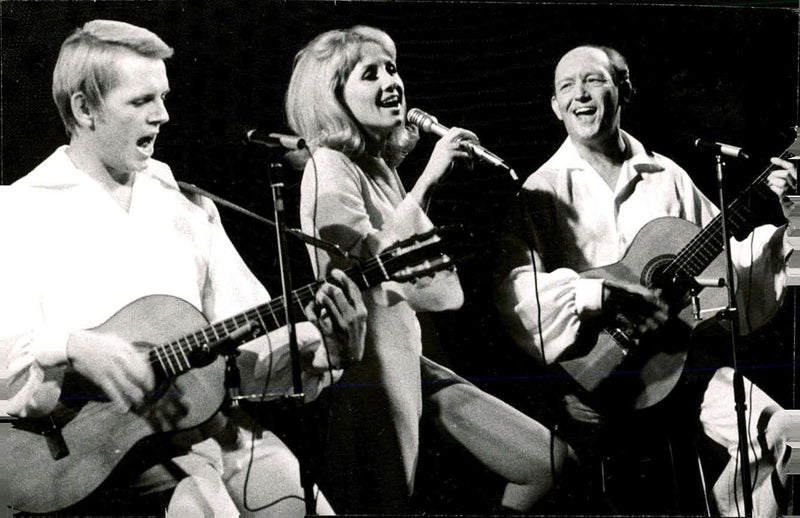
(707, 244)
(174, 358)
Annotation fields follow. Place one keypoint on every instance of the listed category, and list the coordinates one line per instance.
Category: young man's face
(586, 98)
(128, 121)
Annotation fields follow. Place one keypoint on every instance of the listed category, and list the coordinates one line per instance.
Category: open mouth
(391, 101)
(585, 112)
(145, 144)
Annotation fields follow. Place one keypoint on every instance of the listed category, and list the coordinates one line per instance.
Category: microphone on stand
(429, 124)
(722, 149)
(275, 140)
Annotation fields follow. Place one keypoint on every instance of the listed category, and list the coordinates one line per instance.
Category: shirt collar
(59, 172)
(642, 160)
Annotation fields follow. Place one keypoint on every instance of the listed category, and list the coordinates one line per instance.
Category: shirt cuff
(588, 295)
(50, 346)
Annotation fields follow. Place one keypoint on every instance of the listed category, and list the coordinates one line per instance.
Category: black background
(727, 73)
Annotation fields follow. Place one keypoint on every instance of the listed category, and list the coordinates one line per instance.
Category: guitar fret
(245, 323)
(261, 321)
(274, 316)
(177, 353)
(703, 256)
(254, 321)
(219, 336)
(188, 364)
(225, 324)
(168, 355)
(236, 324)
(206, 338)
(196, 342)
(738, 216)
(161, 362)
(298, 301)
(246, 320)
(380, 265)
(216, 335)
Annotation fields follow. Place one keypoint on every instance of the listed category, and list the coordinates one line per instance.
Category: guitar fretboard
(412, 258)
(707, 244)
(174, 358)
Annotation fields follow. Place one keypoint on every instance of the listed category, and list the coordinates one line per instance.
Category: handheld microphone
(429, 124)
(722, 149)
(275, 140)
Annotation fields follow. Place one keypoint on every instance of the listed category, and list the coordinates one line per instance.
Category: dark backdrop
(726, 73)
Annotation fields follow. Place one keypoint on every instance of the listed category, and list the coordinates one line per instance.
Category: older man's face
(586, 98)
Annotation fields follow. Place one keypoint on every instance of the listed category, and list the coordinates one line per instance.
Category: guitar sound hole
(653, 273)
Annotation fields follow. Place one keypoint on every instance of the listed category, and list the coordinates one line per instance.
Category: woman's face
(374, 93)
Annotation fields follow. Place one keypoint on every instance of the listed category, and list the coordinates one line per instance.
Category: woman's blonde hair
(315, 105)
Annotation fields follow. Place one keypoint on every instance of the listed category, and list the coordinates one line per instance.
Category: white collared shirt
(72, 258)
(579, 223)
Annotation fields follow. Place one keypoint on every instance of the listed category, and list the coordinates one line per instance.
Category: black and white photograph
(399, 258)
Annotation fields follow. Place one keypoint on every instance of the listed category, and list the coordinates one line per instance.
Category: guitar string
(175, 351)
(693, 258)
(759, 187)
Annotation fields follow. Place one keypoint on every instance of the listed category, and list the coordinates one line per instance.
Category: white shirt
(580, 223)
(72, 257)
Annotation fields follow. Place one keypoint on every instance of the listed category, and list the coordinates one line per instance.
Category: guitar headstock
(421, 255)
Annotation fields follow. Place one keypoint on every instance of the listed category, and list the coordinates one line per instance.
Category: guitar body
(97, 436)
(59, 460)
(640, 376)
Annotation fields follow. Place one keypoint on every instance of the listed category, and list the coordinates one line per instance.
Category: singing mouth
(146, 144)
(392, 101)
(146, 141)
(586, 111)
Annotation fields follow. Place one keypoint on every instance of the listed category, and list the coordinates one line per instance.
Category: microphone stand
(298, 396)
(232, 375)
(731, 314)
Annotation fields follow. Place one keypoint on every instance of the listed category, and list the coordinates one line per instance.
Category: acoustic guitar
(620, 372)
(59, 460)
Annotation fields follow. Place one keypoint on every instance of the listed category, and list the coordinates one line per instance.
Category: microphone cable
(529, 239)
(266, 386)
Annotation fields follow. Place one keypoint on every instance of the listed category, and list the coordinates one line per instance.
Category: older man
(582, 209)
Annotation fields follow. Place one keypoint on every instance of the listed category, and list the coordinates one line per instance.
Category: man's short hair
(620, 71)
(86, 62)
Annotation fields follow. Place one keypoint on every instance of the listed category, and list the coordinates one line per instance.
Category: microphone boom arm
(331, 248)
